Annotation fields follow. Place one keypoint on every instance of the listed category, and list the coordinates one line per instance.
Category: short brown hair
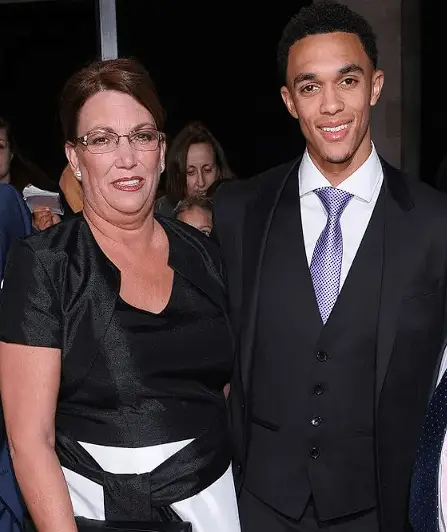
(176, 168)
(123, 75)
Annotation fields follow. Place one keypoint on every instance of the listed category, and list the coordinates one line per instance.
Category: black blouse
(154, 378)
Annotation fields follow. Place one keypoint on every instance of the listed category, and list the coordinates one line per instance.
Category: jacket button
(316, 421)
(322, 356)
(314, 453)
(318, 389)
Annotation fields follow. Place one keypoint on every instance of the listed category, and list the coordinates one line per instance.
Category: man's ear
(288, 100)
(378, 79)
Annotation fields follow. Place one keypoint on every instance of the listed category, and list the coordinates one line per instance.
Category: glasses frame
(83, 140)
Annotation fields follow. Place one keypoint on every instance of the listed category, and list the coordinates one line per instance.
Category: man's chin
(338, 158)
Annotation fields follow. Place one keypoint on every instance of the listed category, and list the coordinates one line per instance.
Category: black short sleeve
(29, 303)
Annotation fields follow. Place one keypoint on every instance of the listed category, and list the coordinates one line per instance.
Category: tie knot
(334, 200)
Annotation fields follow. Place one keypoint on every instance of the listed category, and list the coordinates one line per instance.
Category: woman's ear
(72, 156)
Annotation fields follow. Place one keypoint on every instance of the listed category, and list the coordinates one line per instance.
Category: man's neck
(336, 172)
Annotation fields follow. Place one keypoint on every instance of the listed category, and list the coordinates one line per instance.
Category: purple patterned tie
(325, 266)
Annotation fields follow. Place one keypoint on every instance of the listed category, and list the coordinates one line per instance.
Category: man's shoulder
(7, 191)
(429, 199)
(243, 190)
(9, 198)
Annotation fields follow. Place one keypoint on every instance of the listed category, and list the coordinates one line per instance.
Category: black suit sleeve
(29, 304)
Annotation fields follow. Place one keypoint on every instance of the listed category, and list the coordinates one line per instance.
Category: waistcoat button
(322, 356)
(318, 389)
(314, 453)
(316, 421)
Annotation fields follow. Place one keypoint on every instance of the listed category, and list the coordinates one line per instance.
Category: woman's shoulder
(192, 235)
(57, 237)
(164, 206)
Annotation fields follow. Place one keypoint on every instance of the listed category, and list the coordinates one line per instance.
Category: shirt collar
(362, 183)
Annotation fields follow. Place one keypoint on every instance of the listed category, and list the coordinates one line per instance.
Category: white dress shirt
(364, 184)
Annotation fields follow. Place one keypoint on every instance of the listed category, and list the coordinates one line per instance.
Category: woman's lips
(130, 184)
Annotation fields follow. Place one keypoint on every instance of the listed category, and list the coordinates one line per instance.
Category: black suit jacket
(412, 319)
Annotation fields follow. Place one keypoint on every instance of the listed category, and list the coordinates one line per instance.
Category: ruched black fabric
(146, 496)
(160, 382)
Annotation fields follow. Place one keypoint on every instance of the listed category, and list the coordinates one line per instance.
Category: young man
(337, 280)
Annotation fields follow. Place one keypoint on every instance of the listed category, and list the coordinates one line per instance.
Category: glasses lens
(101, 142)
(145, 140)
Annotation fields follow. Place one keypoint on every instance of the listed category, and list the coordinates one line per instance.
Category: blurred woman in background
(194, 161)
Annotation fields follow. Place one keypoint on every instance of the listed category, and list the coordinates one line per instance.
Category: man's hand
(43, 218)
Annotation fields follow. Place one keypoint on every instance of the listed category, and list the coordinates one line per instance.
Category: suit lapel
(257, 225)
(397, 253)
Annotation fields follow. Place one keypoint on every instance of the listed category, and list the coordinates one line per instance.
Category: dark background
(210, 61)
(433, 87)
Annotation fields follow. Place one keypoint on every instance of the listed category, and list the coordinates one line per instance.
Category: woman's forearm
(43, 487)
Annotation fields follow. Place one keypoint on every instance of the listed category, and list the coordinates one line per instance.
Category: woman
(17, 171)
(114, 324)
(194, 161)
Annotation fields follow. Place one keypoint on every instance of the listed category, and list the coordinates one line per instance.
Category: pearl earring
(78, 175)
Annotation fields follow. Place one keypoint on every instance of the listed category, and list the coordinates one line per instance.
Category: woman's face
(201, 170)
(120, 184)
(5, 154)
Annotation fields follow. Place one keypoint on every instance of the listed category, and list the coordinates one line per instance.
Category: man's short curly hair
(325, 17)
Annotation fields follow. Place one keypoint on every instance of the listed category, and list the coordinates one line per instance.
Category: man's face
(331, 86)
(5, 154)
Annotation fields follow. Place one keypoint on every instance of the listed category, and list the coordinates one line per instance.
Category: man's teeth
(335, 129)
(129, 182)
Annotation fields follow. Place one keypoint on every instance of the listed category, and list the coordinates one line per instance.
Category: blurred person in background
(16, 170)
(15, 222)
(195, 160)
(196, 211)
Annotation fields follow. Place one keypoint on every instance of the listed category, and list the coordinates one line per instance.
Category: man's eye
(309, 88)
(350, 82)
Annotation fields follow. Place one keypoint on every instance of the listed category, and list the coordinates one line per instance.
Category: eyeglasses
(108, 141)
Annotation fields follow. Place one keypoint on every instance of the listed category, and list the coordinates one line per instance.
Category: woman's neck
(135, 233)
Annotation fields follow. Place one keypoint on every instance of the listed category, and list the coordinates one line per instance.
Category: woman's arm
(29, 385)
